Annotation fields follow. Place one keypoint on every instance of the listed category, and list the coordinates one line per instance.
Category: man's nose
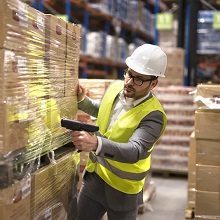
(130, 81)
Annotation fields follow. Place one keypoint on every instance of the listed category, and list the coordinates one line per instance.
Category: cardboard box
(72, 58)
(175, 67)
(191, 172)
(208, 96)
(36, 32)
(175, 56)
(13, 24)
(57, 211)
(192, 153)
(55, 70)
(207, 124)
(208, 178)
(13, 135)
(70, 108)
(72, 68)
(95, 87)
(208, 152)
(207, 218)
(15, 201)
(207, 204)
(167, 38)
(13, 73)
(53, 184)
(174, 76)
(58, 135)
(73, 41)
(14, 103)
(55, 37)
(191, 197)
(36, 69)
(57, 87)
(208, 90)
(21, 27)
(70, 87)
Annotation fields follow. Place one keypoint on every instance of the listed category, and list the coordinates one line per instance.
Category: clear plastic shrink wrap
(39, 56)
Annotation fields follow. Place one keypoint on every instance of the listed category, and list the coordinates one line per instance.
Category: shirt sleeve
(139, 144)
(89, 106)
(99, 148)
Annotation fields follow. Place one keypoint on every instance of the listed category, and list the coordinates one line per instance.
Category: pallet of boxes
(39, 56)
(170, 155)
(204, 156)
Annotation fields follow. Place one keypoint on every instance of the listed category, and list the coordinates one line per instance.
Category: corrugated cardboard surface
(207, 124)
(15, 202)
(53, 184)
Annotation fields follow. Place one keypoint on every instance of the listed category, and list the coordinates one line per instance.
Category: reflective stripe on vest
(122, 174)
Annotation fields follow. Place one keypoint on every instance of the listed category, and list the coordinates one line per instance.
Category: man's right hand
(81, 92)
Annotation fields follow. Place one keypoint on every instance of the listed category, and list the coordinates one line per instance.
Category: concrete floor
(170, 199)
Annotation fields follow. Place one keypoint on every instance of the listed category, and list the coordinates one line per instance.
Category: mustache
(130, 87)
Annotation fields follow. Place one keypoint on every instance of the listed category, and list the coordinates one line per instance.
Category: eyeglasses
(136, 80)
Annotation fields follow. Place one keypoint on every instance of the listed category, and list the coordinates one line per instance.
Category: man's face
(137, 85)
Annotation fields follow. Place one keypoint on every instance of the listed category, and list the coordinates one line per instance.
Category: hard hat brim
(139, 69)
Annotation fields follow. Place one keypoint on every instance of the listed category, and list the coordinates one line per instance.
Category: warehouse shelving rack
(80, 11)
(187, 33)
(188, 37)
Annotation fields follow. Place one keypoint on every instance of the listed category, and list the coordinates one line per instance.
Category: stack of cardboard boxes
(39, 57)
(175, 67)
(95, 89)
(204, 157)
(53, 189)
(191, 190)
(171, 151)
(37, 76)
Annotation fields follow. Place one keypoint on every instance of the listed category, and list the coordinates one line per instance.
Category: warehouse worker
(130, 120)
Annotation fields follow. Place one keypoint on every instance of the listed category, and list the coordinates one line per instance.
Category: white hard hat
(148, 59)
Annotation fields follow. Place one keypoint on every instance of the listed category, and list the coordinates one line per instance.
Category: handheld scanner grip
(75, 125)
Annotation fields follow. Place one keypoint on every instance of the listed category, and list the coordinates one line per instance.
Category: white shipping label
(22, 14)
(26, 187)
(48, 214)
(40, 22)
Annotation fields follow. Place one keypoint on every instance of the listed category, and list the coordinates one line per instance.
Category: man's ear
(154, 83)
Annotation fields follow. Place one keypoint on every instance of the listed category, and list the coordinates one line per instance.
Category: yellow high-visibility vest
(125, 177)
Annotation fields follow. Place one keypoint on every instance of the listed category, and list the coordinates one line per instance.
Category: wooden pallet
(169, 173)
(189, 213)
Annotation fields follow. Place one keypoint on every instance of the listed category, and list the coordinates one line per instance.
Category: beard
(129, 91)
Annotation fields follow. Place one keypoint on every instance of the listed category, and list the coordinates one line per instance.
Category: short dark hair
(154, 77)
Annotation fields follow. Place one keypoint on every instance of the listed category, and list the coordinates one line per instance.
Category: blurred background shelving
(110, 33)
